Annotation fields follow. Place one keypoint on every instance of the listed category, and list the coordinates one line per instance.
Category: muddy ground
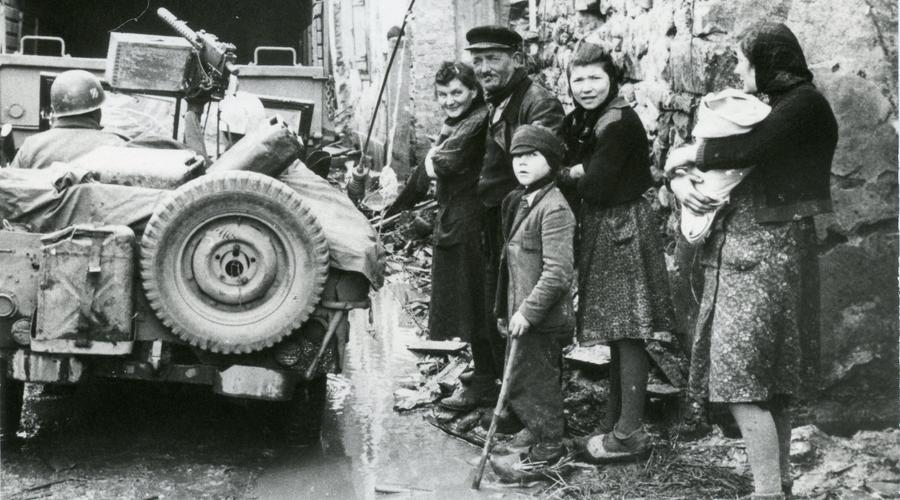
(143, 441)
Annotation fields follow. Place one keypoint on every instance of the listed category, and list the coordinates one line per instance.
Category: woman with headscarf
(457, 287)
(760, 295)
(623, 287)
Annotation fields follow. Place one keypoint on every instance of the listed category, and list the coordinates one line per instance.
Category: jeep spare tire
(233, 262)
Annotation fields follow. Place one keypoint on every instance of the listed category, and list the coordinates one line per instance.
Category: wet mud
(145, 441)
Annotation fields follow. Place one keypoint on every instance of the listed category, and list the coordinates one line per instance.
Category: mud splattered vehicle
(235, 280)
(239, 276)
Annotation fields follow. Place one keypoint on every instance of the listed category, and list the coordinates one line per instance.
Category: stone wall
(674, 51)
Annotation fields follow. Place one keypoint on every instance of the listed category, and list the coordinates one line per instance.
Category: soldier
(75, 100)
(513, 100)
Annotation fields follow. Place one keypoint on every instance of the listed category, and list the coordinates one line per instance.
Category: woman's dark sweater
(614, 152)
(792, 150)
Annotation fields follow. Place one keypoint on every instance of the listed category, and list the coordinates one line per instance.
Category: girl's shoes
(614, 447)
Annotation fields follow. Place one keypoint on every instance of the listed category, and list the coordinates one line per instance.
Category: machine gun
(215, 59)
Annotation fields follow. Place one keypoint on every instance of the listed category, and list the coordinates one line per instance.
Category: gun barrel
(178, 25)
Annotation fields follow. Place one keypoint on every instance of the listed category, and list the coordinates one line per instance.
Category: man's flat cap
(493, 37)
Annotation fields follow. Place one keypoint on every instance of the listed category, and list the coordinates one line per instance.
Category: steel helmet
(75, 92)
(242, 113)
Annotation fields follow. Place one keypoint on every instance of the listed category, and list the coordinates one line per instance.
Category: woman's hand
(685, 155)
(683, 188)
(576, 171)
(518, 325)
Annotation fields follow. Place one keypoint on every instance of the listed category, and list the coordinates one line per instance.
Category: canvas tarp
(51, 199)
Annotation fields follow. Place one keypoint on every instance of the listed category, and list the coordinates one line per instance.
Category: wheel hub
(234, 263)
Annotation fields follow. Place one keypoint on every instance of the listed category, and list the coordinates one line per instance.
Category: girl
(761, 277)
(623, 285)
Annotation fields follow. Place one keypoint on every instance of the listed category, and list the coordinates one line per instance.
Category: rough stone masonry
(674, 51)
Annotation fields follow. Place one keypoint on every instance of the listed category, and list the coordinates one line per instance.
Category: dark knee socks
(634, 366)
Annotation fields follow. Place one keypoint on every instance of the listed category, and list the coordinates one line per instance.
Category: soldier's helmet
(242, 113)
(75, 92)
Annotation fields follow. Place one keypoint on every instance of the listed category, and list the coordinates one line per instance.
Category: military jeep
(236, 280)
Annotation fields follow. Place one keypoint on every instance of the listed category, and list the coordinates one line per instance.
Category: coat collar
(511, 110)
(76, 121)
(522, 213)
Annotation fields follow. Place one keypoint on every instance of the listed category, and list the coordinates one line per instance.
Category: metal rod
(332, 327)
(384, 80)
(177, 117)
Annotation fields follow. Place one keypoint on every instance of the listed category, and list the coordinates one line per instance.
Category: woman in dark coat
(623, 286)
(760, 295)
(457, 288)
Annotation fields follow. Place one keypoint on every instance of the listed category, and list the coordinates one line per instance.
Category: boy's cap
(493, 37)
(541, 139)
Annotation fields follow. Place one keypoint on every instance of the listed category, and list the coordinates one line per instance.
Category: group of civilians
(771, 144)
(530, 197)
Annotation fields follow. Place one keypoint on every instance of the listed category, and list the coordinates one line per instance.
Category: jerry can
(84, 297)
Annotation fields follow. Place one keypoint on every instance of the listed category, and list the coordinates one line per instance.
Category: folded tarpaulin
(51, 199)
(351, 239)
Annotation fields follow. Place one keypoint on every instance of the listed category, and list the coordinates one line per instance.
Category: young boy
(534, 299)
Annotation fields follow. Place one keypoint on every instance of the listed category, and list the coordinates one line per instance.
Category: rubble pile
(711, 466)
(407, 242)
(681, 465)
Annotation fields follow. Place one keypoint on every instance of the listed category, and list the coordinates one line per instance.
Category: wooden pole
(501, 404)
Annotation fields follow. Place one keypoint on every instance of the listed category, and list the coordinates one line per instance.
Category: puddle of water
(366, 445)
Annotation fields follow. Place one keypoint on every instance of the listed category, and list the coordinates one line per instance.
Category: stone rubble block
(682, 16)
(867, 144)
(608, 7)
(655, 63)
(859, 298)
(711, 17)
(640, 34)
(867, 204)
(854, 40)
(678, 102)
(634, 8)
(699, 67)
(651, 93)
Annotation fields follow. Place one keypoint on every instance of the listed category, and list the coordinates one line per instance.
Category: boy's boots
(535, 464)
(480, 392)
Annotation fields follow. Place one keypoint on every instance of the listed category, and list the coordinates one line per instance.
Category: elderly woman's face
(454, 98)
(746, 71)
(589, 85)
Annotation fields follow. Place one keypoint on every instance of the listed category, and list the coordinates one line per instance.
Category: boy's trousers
(536, 391)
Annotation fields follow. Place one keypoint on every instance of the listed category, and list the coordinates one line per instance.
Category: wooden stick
(501, 404)
(377, 222)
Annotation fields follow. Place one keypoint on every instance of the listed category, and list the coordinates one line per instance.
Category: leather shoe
(521, 442)
(469, 398)
(507, 422)
(522, 467)
(612, 447)
(466, 377)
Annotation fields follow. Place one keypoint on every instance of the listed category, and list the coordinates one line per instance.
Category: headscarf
(580, 122)
(776, 55)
